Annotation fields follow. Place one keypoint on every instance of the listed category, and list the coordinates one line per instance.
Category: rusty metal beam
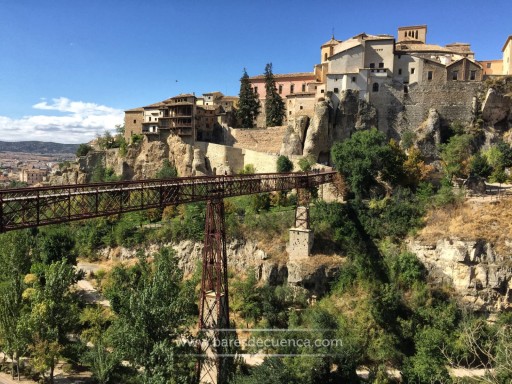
(32, 207)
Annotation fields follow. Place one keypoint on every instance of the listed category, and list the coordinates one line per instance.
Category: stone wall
(222, 158)
(262, 139)
(399, 110)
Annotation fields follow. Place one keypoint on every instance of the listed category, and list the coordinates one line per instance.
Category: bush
(284, 164)
(167, 171)
(83, 150)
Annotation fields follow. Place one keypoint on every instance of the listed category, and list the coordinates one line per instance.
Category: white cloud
(78, 122)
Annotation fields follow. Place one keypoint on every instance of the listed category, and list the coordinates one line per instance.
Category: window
(399, 57)
(325, 56)
(488, 65)
(429, 75)
(322, 91)
(290, 113)
(149, 118)
(375, 87)
(303, 87)
(292, 88)
(280, 88)
(372, 65)
(134, 121)
(406, 89)
(455, 75)
(255, 89)
(399, 71)
(353, 79)
(301, 107)
(381, 65)
(336, 90)
(412, 71)
(472, 75)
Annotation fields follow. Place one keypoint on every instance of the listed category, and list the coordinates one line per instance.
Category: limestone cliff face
(317, 136)
(242, 255)
(428, 136)
(481, 277)
(140, 162)
(311, 274)
(496, 108)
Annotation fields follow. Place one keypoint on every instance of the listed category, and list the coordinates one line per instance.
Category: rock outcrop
(428, 136)
(481, 278)
(496, 107)
(352, 114)
(292, 144)
(199, 163)
(317, 136)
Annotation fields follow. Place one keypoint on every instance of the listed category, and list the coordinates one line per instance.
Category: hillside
(39, 147)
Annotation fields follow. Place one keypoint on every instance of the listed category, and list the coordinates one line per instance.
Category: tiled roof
(411, 27)
(421, 48)
(140, 109)
(333, 41)
(285, 75)
(301, 94)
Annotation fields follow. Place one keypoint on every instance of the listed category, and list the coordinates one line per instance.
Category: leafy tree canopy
(365, 158)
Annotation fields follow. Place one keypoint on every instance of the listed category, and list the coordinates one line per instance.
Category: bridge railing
(30, 207)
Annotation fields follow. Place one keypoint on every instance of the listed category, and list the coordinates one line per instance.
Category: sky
(69, 68)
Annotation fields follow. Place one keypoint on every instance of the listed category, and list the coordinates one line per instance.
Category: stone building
(492, 67)
(31, 175)
(361, 63)
(190, 117)
(507, 56)
(133, 119)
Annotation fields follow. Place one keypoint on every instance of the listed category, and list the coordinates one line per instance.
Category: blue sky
(68, 68)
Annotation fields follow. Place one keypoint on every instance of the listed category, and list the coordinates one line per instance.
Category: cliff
(469, 248)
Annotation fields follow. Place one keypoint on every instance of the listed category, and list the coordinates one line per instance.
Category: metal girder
(32, 207)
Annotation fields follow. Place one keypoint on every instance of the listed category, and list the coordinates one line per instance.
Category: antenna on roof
(333, 33)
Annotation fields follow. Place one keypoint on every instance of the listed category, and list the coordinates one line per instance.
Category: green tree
(53, 314)
(274, 104)
(83, 150)
(306, 163)
(167, 171)
(152, 311)
(248, 103)
(247, 297)
(14, 265)
(56, 243)
(456, 155)
(284, 164)
(366, 160)
(479, 166)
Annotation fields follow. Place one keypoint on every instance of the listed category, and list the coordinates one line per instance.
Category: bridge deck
(31, 207)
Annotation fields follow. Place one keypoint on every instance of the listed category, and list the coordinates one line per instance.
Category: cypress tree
(248, 104)
(274, 104)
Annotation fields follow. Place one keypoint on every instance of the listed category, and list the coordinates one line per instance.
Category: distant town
(31, 168)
